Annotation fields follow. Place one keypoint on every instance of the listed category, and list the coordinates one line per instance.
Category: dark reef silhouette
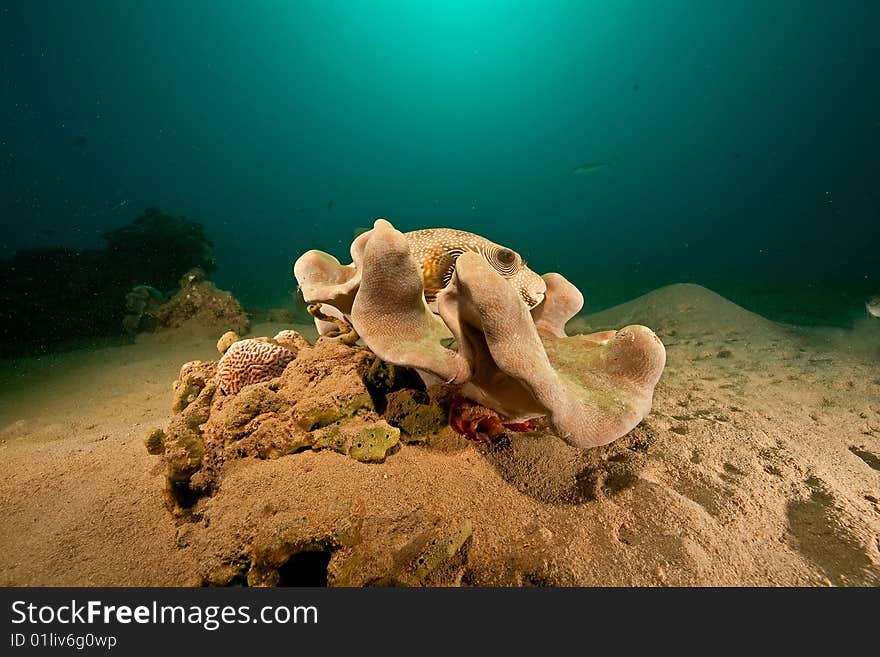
(51, 296)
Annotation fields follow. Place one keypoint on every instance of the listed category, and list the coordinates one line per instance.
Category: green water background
(742, 136)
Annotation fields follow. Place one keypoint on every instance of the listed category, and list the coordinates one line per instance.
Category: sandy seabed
(759, 465)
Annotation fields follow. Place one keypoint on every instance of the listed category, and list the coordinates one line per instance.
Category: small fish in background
(592, 167)
(872, 305)
(636, 86)
(329, 205)
(80, 142)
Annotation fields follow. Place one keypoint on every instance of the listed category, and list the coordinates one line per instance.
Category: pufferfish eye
(507, 262)
(506, 257)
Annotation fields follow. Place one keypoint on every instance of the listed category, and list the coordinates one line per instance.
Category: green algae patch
(186, 390)
(155, 442)
(442, 548)
(184, 450)
(332, 437)
(272, 439)
(382, 377)
(246, 405)
(375, 442)
(227, 340)
(309, 417)
(436, 555)
(415, 414)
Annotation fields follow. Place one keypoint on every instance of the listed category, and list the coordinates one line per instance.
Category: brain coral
(251, 361)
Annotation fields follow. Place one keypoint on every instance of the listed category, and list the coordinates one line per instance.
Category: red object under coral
(479, 423)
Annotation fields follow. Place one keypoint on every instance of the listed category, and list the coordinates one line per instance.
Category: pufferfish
(437, 249)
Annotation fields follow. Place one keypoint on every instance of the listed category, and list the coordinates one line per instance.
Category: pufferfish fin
(450, 256)
(447, 275)
(437, 271)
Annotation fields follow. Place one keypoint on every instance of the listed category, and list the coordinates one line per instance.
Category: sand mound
(758, 466)
(680, 306)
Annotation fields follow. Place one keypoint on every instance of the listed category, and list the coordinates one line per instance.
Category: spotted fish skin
(437, 249)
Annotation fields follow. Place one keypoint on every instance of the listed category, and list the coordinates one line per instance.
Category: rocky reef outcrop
(200, 302)
(141, 306)
(53, 296)
(267, 398)
(197, 303)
